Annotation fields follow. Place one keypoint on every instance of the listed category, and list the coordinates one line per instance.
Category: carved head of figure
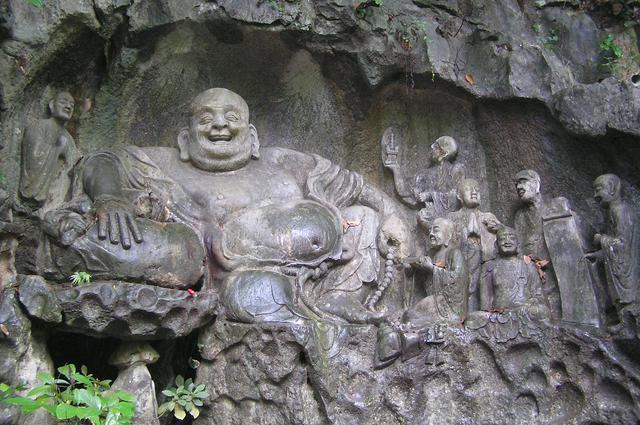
(219, 136)
(469, 193)
(507, 241)
(445, 148)
(527, 185)
(61, 107)
(440, 233)
(606, 188)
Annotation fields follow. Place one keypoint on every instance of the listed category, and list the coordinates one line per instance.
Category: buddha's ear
(51, 103)
(255, 142)
(183, 143)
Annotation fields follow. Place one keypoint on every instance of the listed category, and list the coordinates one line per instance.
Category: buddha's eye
(231, 116)
(205, 119)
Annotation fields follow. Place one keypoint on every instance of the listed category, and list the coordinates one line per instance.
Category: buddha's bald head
(219, 137)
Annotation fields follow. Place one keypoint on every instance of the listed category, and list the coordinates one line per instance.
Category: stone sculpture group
(272, 235)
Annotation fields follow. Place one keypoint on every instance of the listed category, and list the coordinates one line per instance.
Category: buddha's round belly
(296, 232)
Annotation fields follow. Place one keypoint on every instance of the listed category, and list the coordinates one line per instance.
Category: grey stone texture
(518, 84)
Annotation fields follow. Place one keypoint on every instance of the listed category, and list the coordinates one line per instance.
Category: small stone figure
(131, 359)
(434, 186)
(510, 282)
(449, 280)
(528, 226)
(619, 243)
(474, 234)
(48, 153)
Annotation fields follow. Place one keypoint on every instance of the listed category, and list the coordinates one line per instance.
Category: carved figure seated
(474, 234)
(512, 283)
(619, 243)
(448, 283)
(48, 153)
(511, 296)
(217, 210)
(446, 304)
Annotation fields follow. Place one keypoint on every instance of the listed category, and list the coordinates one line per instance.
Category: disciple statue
(529, 228)
(448, 283)
(48, 154)
(510, 282)
(619, 243)
(220, 213)
(474, 234)
(435, 185)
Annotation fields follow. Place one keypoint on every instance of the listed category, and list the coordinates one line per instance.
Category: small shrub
(74, 397)
(80, 278)
(186, 397)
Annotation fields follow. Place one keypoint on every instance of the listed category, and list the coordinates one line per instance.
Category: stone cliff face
(519, 85)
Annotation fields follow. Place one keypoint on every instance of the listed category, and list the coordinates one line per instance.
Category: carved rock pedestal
(264, 374)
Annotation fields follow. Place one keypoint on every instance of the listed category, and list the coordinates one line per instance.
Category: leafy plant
(552, 39)
(74, 397)
(186, 397)
(37, 3)
(3, 180)
(363, 7)
(80, 278)
(610, 47)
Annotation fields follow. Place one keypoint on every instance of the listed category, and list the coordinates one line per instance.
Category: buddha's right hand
(116, 218)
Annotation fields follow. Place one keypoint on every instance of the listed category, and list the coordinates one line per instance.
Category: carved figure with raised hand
(529, 228)
(434, 186)
(474, 234)
(48, 153)
(448, 283)
(619, 243)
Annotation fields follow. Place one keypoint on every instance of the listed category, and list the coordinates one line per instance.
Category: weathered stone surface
(133, 311)
(23, 355)
(38, 299)
(263, 375)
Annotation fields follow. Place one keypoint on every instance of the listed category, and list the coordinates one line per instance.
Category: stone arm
(408, 198)
(103, 184)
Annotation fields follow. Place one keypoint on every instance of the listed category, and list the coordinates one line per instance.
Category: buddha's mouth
(219, 138)
(521, 192)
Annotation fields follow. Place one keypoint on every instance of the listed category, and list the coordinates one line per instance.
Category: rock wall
(519, 84)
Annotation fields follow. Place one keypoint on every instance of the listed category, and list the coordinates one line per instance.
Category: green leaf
(179, 412)
(82, 396)
(26, 404)
(201, 394)
(37, 3)
(182, 402)
(65, 411)
(168, 393)
(163, 408)
(41, 390)
(4, 387)
(125, 396)
(199, 388)
(45, 377)
(79, 377)
(195, 412)
(179, 381)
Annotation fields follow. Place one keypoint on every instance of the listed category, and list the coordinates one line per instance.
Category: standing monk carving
(620, 242)
(48, 153)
